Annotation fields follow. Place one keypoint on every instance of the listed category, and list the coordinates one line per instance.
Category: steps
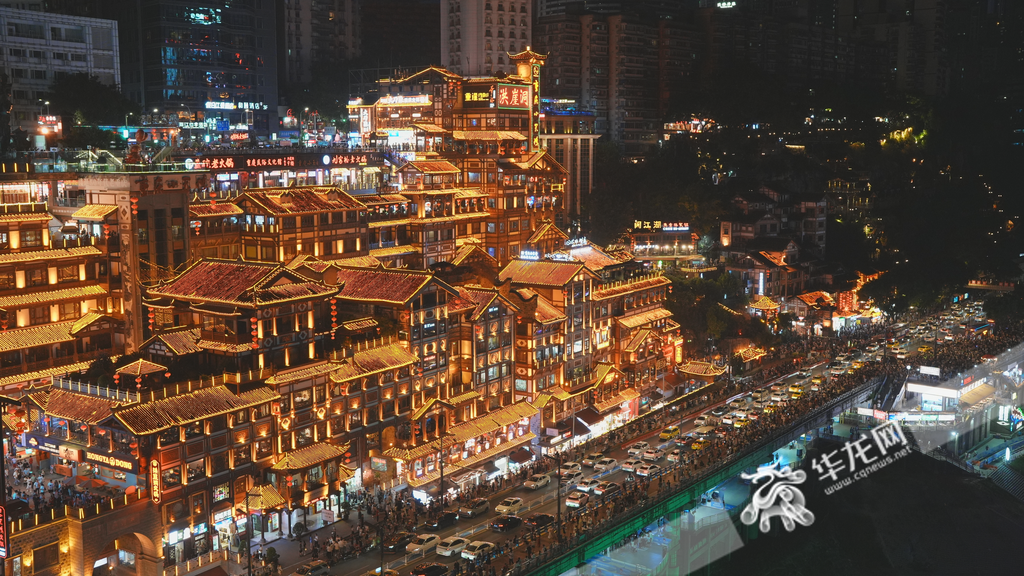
(1010, 480)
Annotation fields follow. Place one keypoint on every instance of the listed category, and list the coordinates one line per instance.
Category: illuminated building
(476, 35)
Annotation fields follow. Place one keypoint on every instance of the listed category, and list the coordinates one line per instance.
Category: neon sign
(155, 489)
(513, 97)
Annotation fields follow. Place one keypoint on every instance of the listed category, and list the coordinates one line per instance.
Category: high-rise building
(478, 35)
(314, 35)
(38, 48)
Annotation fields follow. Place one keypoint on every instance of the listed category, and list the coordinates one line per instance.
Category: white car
(452, 546)
(675, 455)
(577, 500)
(631, 464)
(591, 459)
(728, 419)
(569, 467)
(653, 455)
(605, 464)
(638, 448)
(537, 481)
(587, 485)
(703, 420)
(647, 469)
(475, 549)
(510, 506)
(572, 478)
(423, 543)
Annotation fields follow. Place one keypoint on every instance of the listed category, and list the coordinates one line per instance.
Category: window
(171, 477)
(69, 310)
(7, 280)
(264, 448)
(126, 558)
(67, 274)
(196, 470)
(45, 557)
(36, 277)
(222, 492)
(39, 74)
(243, 455)
(31, 238)
(39, 315)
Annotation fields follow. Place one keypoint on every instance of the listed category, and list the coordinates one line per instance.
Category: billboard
(513, 97)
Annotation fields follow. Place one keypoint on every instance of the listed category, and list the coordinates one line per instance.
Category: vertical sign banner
(154, 481)
(3, 532)
(535, 109)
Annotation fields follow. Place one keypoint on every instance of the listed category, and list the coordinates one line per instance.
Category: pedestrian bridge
(747, 460)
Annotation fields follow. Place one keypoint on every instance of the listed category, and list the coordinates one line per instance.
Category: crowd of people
(43, 493)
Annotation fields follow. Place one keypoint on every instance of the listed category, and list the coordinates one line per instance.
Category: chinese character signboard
(3, 532)
(513, 97)
(379, 464)
(155, 489)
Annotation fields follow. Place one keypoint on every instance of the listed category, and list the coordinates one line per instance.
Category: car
(737, 403)
(539, 519)
(796, 388)
(569, 467)
(423, 543)
(444, 520)
(592, 459)
(803, 375)
(475, 508)
(588, 484)
(753, 414)
(631, 464)
(476, 549)
(769, 409)
(510, 505)
(722, 431)
(928, 338)
(429, 569)
(647, 470)
(816, 380)
(857, 364)
(686, 441)
(738, 414)
(397, 542)
(506, 523)
(924, 349)
(607, 488)
(537, 481)
(653, 455)
(741, 422)
(728, 419)
(638, 448)
(675, 455)
(779, 396)
(451, 546)
(571, 478)
(719, 411)
(871, 348)
(605, 464)
(698, 445)
(577, 500)
(838, 370)
(669, 433)
(705, 419)
(314, 568)
(815, 387)
(376, 572)
(796, 395)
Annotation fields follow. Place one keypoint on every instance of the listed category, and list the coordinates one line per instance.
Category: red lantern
(289, 479)
(167, 374)
(133, 445)
(84, 427)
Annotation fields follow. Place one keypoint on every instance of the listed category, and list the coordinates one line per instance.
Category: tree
(86, 136)
(84, 97)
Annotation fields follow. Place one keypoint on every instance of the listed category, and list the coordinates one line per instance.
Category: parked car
(423, 543)
(475, 508)
(452, 546)
(314, 568)
(397, 542)
(669, 433)
(539, 519)
(592, 458)
(577, 500)
(605, 464)
(653, 455)
(430, 569)
(607, 488)
(647, 469)
(444, 520)
(510, 505)
(587, 484)
(638, 448)
(537, 481)
(631, 464)
(476, 549)
(506, 523)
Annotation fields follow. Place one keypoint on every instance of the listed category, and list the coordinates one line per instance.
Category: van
(703, 432)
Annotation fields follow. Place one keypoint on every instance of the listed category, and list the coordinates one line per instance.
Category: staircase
(1010, 480)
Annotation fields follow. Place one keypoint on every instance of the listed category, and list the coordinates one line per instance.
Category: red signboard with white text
(513, 97)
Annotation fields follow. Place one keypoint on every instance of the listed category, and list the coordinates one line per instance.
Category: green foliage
(85, 136)
(90, 101)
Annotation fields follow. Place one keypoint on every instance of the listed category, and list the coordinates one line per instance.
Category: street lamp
(303, 118)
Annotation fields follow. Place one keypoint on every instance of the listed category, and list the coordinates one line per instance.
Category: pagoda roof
(213, 210)
(241, 283)
(702, 368)
(311, 455)
(545, 228)
(383, 285)
(542, 273)
(284, 201)
(159, 415)
(22, 299)
(644, 318)
(75, 407)
(373, 360)
(264, 497)
(96, 212)
(432, 167)
(764, 303)
(141, 367)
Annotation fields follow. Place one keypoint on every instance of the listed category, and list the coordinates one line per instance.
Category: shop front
(310, 480)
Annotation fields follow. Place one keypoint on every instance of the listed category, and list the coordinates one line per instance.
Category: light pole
(441, 435)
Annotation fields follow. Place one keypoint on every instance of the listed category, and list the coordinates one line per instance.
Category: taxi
(669, 433)
(698, 445)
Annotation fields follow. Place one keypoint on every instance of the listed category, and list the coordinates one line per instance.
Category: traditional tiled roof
(625, 287)
(25, 217)
(638, 340)
(623, 396)
(467, 430)
(181, 342)
(87, 320)
(595, 258)
(487, 135)
(764, 303)
(379, 253)
(431, 128)
(310, 456)
(381, 285)
(750, 353)
(360, 324)
(212, 210)
(264, 497)
(159, 415)
(469, 193)
(55, 254)
(303, 200)
(47, 372)
(96, 212)
(545, 228)
(383, 223)
(240, 283)
(464, 397)
(432, 167)
(78, 407)
(644, 318)
(482, 298)
(357, 262)
(365, 362)
(376, 199)
(21, 338)
(443, 72)
(306, 261)
(812, 299)
(538, 307)
(224, 346)
(22, 299)
(701, 368)
(141, 367)
(540, 273)
(729, 310)
(304, 372)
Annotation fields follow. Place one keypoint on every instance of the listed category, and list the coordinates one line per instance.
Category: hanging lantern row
(196, 226)
(152, 319)
(334, 317)
(135, 205)
(138, 382)
(213, 197)
(3, 323)
(106, 230)
(255, 333)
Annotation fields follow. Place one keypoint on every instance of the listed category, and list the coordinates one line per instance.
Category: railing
(199, 561)
(94, 390)
(31, 520)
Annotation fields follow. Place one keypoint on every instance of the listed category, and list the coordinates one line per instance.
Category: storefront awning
(521, 455)
(589, 416)
(311, 456)
(490, 467)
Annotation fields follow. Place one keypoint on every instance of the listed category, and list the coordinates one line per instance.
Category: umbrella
(131, 489)
(141, 367)
(96, 483)
(82, 480)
